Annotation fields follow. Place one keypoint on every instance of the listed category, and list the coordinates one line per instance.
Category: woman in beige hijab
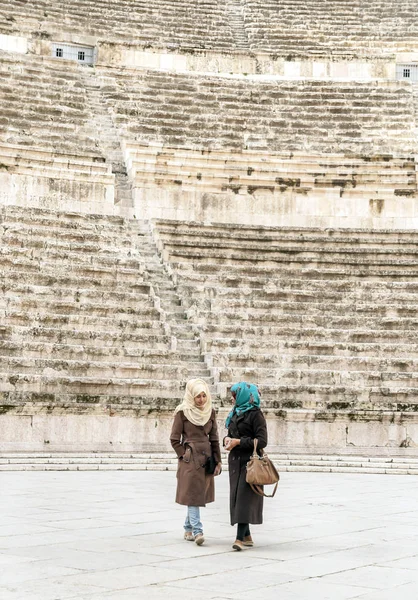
(194, 437)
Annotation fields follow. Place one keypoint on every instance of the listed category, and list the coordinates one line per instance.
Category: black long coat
(245, 505)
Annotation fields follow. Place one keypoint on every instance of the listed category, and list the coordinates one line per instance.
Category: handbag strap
(255, 455)
(259, 490)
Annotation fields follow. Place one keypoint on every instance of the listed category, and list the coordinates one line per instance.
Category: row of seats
(308, 26)
(237, 113)
(321, 319)
(45, 104)
(319, 27)
(167, 23)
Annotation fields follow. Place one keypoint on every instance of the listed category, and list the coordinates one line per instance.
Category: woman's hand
(230, 443)
(218, 469)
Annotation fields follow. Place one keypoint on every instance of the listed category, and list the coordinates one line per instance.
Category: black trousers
(243, 530)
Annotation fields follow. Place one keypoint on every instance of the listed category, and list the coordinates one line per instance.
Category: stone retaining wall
(295, 432)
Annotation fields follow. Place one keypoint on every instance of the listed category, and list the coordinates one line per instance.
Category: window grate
(82, 54)
(407, 72)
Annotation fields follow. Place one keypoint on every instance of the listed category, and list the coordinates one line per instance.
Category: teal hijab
(246, 396)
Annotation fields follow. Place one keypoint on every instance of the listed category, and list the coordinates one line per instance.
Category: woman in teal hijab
(246, 397)
(245, 422)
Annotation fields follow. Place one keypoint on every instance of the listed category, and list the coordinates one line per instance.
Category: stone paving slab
(118, 536)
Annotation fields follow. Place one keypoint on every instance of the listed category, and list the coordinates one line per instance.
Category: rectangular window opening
(83, 54)
(408, 72)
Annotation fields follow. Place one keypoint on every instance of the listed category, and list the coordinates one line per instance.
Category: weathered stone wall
(34, 177)
(294, 189)
(296, 432)
(246, 62)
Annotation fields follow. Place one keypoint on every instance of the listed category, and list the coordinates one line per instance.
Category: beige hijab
(197, 416)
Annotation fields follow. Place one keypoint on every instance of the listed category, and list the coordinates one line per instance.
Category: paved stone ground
(117, 535)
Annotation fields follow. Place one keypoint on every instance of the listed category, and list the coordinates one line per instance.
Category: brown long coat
(245, 505)
(193, 444)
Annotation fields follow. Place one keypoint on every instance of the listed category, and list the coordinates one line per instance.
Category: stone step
(325, 400)
(347, 306)
(157, 462)
(81, 268)
(252, 235)
(331, 321)
(87, 295)
(36, 220)
(93, 387)
(10, 305)
(31, 318)
(338, 295)
(300, 251)
(227, 284)
(92, 368)
(230, 347)
(262, 275)
(309, 334)
(69, 234)
(141, 339)
(104, 402)
(274, 259)
(183, 333)
(276, 362)
(108, 281)
(315, 375)
(86, 255)
(118, 352)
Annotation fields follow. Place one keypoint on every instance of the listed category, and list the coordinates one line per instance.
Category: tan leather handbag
(261, 471)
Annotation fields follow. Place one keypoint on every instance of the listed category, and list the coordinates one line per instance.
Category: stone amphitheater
(223, 189)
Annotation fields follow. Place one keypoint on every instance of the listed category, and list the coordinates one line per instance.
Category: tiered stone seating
(81, 330)
(52, 152)
(275, 189)
(330, 26)
(323, 320)
(44, 104)
(239, 113)
(312, 27)
(172, 23)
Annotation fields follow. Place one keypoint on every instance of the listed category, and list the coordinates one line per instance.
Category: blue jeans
(192, 522)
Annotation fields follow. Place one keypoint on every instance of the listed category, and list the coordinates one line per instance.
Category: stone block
(13, 43)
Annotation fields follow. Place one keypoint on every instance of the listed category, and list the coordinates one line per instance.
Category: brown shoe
(238, 545)
(248, 541)
(199, 539)
(188, 535)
